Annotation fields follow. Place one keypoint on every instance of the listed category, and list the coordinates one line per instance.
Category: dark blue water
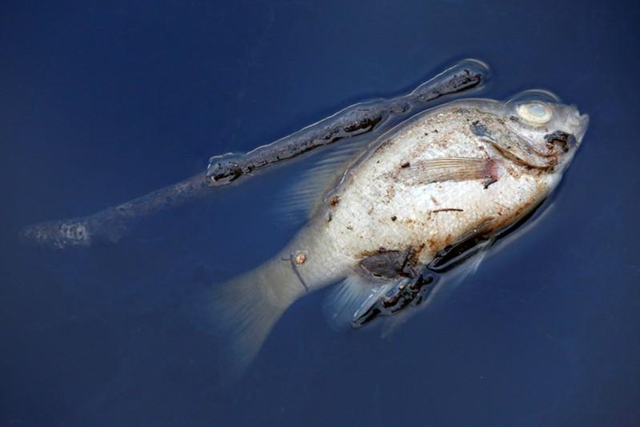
(100, 104)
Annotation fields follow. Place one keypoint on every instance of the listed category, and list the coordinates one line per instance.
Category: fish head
(548, 132)
(534, 130)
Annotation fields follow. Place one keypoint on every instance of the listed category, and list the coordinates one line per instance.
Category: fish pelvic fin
(353, 295)
(241, 313)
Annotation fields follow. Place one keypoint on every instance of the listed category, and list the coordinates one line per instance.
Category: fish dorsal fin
(349, 297)
(302, 199)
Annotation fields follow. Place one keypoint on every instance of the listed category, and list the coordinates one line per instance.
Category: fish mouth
(584, 124)
(578, 124)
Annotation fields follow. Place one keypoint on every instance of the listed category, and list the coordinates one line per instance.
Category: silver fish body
(465, 169)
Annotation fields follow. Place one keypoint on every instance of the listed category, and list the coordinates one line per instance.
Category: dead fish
(382, 212)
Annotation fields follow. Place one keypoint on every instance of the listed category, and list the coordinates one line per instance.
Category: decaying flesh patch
(564, 141)
(391, 263)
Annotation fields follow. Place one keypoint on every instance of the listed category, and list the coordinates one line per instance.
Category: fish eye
(535, 113)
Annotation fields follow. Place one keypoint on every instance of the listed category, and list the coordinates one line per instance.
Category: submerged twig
(111, 224)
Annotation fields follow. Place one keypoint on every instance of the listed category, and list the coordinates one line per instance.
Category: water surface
(101, 104)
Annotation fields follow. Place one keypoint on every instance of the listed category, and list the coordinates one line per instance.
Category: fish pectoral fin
(352, 296)
(447, 169)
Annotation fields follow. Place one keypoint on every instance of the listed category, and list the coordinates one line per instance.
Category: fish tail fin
(242, 311)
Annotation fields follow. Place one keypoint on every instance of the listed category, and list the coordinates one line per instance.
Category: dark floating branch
(372, 117)
(356, 120)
